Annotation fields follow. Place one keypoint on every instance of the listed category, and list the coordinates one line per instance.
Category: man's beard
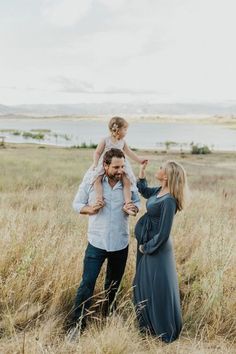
(116, 177)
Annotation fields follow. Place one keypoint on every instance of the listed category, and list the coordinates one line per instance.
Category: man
(107, 233)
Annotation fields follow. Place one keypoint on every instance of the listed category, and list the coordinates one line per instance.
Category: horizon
(200, 102)
(177, 109)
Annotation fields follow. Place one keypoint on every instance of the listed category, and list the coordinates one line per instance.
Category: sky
(149, 51)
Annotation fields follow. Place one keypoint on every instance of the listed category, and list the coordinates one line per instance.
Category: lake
(149, 135)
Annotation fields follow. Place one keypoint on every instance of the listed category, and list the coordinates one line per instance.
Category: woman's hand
(141, 248)
(142, 169)
(144, 164)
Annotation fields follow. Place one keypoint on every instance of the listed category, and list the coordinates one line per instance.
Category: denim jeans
(93, 261)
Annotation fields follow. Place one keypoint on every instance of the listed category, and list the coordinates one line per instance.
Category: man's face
(116, 168)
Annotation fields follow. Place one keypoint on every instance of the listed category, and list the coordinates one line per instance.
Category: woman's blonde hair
(177, 182)
(115, 124)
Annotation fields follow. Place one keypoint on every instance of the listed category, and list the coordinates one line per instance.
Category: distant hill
(4, 109)
(88, 109)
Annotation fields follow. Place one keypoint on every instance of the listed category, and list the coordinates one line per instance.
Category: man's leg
(93, 260)
(115, 269)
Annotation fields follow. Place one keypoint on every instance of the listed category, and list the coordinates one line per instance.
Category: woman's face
(160, 174)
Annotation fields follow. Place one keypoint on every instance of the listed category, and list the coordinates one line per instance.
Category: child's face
(122, 132)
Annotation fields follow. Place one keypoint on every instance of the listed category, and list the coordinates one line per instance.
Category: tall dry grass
(42, 242)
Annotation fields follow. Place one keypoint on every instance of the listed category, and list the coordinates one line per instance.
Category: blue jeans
(93, 261)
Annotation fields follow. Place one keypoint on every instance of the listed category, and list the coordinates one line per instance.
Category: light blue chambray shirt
(108, 229)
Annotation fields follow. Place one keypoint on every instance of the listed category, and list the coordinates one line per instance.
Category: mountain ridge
(110, 108)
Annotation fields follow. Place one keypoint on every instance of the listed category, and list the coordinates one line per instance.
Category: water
(150, 135)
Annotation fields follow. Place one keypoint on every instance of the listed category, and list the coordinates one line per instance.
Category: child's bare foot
(129, 209)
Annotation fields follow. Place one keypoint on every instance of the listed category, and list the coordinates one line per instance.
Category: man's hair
(112, 153)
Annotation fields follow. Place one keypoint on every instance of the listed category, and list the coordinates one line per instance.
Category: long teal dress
(156, 290)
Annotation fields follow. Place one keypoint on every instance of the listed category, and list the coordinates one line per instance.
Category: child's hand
(94, 167)
(142, 160)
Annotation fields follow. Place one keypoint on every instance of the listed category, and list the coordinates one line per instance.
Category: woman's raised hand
(142, 169)
(143, 165)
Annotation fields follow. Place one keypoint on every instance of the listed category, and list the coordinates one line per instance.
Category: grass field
(42, 241)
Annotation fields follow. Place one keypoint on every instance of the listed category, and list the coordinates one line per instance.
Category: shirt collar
(117, 185)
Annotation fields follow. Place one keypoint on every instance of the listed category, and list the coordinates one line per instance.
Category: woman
(156, 291)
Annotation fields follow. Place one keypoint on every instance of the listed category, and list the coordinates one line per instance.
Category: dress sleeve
(143, 188)
(166, 220)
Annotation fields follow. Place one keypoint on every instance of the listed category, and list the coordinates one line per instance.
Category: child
(118, 128)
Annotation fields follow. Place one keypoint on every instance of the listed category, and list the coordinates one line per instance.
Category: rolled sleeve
(136, 199)
(81, 197)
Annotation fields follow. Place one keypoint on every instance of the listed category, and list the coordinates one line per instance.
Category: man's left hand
(131, 207)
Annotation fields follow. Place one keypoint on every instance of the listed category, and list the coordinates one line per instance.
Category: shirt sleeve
(166, 221)
(135, 199)
(81, 197)
(144, 190)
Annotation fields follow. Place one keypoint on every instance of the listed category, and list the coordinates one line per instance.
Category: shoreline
(75, 131)
(37, 145)
(225, 120)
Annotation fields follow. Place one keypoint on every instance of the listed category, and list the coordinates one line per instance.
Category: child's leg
(98, 188)
(126, 188)
(127, 195)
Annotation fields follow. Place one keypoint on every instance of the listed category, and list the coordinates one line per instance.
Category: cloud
(71, 85)
(129, 91)
(8, 87)
(94, 49)
(64, 13)
(66, 84)
(114, 5)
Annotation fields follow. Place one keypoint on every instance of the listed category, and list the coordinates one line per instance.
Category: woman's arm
(166, 220)
(98, 152)
(142, 170)
(142, 185)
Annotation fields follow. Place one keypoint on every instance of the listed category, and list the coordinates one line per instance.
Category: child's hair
(177, 182)
(115, 124)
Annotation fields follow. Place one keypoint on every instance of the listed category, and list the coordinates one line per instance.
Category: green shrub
(169, 143)
(196, 150)
(37, 136)
(27, 135)
(88, 146)
(16, 132)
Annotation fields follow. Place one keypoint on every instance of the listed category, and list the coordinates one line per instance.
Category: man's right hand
(92, 209)
(97, 206)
